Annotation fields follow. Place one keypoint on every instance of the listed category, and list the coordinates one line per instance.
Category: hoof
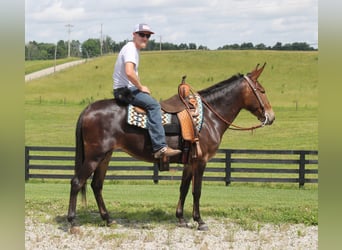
(111, 223)
(183, 223)
(203, 227)
(75, 230)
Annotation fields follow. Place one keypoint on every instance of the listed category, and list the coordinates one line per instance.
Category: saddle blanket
(140, 120)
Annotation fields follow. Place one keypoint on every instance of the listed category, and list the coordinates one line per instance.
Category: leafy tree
(192, 46)
(201, 47)
(277, 46)
(183, 46)
(107, 44)
(62, 49)
(260, 46)
(31, 51)
(247, 46)
(91, 48)
(75, 48)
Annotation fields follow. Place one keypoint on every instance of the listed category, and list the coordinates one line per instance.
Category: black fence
(228, 165)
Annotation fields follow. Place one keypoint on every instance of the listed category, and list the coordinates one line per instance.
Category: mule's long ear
(257, 72)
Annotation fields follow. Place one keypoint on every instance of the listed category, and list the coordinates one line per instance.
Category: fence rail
(229, 165)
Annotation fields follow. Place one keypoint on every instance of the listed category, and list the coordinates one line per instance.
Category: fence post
(228, 166)
(27, 165)
(302, 169)
(155, 173)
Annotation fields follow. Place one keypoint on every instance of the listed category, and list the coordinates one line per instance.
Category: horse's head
(255, 97)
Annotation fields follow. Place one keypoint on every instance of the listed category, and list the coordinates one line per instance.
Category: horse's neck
(227, 107)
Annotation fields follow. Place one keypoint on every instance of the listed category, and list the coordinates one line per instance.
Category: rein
(250, 83)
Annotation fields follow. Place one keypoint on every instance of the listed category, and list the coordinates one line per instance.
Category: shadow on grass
(143, 219)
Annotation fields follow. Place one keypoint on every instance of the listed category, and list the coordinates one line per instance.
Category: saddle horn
(183, 79)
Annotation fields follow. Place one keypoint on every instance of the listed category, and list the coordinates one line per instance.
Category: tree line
(94, 47)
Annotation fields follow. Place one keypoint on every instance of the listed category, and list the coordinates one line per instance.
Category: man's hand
(145, 90)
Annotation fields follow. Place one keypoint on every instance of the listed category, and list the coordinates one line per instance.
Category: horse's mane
(221, 88)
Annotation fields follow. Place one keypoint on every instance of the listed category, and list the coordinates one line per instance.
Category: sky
(211, 23)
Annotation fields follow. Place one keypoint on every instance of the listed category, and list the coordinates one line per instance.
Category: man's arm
(132, 76)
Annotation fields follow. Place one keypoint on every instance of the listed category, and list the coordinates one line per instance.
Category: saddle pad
(140, 120)
(199, 118)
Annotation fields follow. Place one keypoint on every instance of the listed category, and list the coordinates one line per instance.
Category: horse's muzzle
(269, 118)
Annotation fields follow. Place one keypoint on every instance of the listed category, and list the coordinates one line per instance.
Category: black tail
(79, 158)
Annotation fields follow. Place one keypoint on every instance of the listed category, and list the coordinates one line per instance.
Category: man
(129, 90)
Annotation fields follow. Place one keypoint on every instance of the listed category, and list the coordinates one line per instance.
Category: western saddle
(186, 107)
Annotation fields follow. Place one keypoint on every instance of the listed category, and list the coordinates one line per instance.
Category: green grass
(32, 66)
(134, 203)
(53, 103)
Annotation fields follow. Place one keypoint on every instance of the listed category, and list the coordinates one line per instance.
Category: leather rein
(235, 127)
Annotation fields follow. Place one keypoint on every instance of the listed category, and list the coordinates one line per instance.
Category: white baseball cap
(142, 27)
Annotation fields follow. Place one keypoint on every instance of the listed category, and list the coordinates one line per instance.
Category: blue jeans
(154, 121)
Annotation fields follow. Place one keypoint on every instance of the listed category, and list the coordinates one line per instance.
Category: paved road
(51, 70)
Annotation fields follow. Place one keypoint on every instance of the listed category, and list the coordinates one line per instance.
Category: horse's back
(105, 107)
(103, 114)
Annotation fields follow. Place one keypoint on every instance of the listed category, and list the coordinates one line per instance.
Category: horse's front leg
(198, 170)
(183, 190)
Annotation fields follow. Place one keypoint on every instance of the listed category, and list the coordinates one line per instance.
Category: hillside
(53, 103)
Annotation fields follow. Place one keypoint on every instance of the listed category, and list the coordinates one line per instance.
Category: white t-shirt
(128, 53)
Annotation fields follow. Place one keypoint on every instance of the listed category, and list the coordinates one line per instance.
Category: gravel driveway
(51, 70)
(222, 234)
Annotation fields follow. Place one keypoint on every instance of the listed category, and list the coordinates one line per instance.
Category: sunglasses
(144, 35)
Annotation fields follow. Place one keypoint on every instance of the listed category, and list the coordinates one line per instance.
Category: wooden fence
(229, 165)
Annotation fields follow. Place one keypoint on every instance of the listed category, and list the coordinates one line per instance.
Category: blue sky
(212, 23)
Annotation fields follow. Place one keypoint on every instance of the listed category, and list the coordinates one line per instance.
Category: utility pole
(101, 39)
(160, 42)
(69, 26)
(54, 68)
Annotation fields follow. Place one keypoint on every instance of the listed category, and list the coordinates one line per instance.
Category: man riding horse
(128, 89)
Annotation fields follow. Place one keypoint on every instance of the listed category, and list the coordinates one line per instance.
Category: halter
(251, 84)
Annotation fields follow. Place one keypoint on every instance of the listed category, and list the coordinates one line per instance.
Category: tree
(192, 46)
(247, 46)
(62, 49)
(260, 46)
(31, 51)
(91, 48)
(201, 47)
(183, 46)
(277, 46)
(75, 48)
(107, 45)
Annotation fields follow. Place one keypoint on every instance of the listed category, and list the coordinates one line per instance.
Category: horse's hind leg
(97, 185)
(78, 182)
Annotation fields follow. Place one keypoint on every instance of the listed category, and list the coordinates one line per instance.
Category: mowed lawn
(53, 103)
(132, 202)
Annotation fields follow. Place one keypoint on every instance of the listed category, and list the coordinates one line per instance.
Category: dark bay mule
(102, 128)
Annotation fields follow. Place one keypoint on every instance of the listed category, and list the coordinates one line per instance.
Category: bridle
(255, 91)
(251, 84)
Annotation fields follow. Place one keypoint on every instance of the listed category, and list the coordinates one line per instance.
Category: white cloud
(212, 23)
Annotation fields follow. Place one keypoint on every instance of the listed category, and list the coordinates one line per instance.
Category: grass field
(157, 203)
(53, 103)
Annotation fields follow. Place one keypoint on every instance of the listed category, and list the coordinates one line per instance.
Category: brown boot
(166, 151)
